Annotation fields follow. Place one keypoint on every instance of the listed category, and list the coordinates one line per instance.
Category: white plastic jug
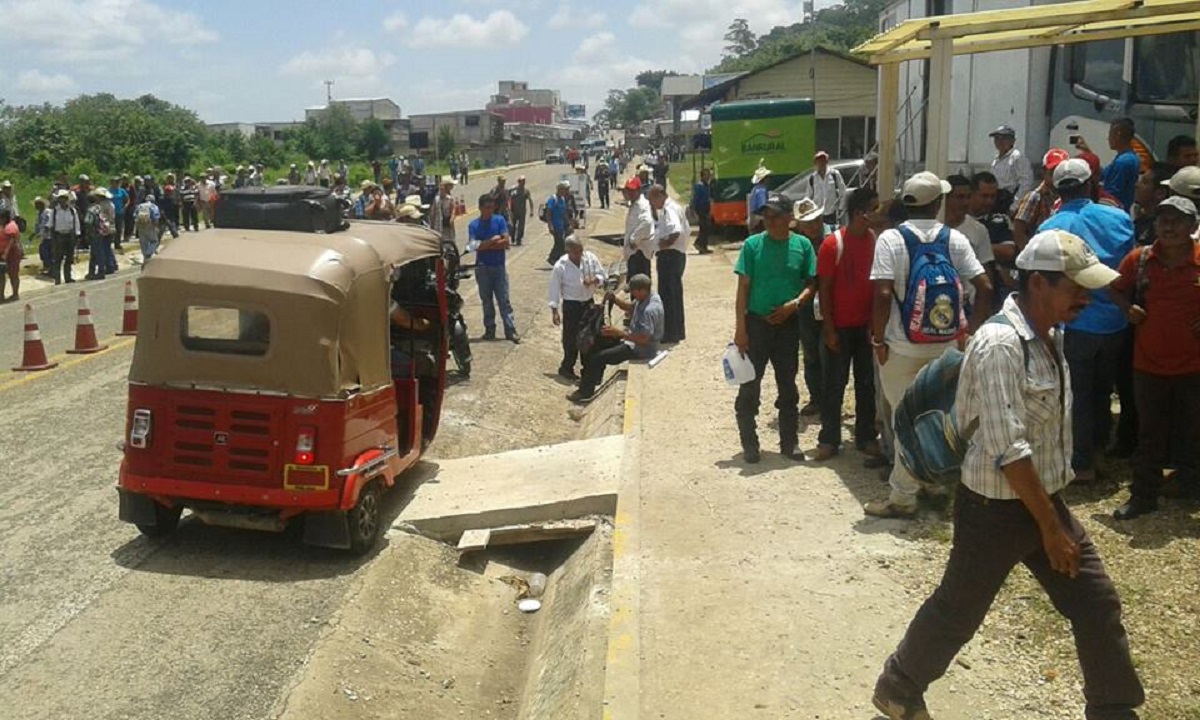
(737, 367)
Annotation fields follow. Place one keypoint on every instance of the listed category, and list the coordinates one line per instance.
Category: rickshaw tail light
(306, 442)
(139, 433)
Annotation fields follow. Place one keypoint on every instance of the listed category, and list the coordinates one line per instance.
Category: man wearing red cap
(639, 230)
(826, 188)
(1038, 203)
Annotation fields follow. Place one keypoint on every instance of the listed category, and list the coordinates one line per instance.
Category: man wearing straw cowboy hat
(758, 198)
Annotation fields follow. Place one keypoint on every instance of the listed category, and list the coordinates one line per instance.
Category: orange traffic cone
(34, 356)
(85, 331)
(130, 321)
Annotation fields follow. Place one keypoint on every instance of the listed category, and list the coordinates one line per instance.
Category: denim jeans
(493, 291)
(1093, 362)
(148, 240)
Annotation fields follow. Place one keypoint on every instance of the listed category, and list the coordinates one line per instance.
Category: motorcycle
(460, 345)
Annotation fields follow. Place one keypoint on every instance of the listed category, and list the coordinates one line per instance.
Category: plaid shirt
(1023, 408)
(1034, 207)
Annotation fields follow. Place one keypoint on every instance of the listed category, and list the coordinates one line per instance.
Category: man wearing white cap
(1159, 289)
(826, 188)
(919, 271)
(1009, 510)
(1094, 338)
(1186, 182)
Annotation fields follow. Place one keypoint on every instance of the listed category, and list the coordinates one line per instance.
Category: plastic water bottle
(737, 367)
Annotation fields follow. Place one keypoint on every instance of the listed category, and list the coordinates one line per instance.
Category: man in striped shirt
(1015, 392)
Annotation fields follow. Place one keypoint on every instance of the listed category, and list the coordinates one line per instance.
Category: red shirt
(1164, 343)
(852, 291)
(10, 241)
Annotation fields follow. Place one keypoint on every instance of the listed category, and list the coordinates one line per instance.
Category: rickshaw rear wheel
(166, 519)
(365, 520)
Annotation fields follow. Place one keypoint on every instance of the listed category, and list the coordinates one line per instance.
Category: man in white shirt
(1014, 387)
(573, 283)
(1011, 168)
(671, 234)
(826, 188)
(958, 202)
(905, 345)
(639, 230)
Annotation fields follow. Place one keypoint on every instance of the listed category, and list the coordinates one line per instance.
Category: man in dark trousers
(603, 181)
(671, 235)
(520, 204)
(573, 283)
(640, 340)
(1015, 388)
(776, 272)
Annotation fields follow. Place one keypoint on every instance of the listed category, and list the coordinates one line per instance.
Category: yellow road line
(65, 361)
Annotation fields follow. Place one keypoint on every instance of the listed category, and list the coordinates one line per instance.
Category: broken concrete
(554, 482)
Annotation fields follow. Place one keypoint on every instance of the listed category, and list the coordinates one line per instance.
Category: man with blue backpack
(919, 308)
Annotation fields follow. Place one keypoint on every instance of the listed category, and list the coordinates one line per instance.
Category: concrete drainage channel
(430, 631)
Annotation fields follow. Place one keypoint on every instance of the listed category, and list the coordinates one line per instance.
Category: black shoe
(567, 373)
(896, 707)
(491, 335)
(791, 452)
(751, 456)
(513, 338)
(580, 397)
(1135, 507)
(1122, 451)
(810, 409)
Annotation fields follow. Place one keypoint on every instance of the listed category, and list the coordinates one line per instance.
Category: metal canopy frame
(939, 38)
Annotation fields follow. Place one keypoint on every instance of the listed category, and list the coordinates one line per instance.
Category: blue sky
(254, 60)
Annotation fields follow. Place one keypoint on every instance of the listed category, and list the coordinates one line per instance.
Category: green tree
(374, 139)
(653, 79)
(337, 132)
(446, 141)
(739, 39)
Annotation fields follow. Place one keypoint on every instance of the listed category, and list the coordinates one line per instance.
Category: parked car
(554, 157)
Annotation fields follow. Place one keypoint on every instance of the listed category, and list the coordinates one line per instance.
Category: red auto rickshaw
(268, 385)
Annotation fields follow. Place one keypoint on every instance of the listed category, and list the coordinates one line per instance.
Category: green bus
(778, 134)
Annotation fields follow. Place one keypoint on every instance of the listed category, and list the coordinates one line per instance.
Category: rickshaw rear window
(225, 330)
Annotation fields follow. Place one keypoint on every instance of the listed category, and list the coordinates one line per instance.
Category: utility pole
(328, 92)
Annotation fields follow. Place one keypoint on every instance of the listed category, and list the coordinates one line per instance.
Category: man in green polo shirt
(777, 272)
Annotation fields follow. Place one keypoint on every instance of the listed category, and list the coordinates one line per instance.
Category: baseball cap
(1054, 157)
(821, 154)
(923, 188)
(778, 202)
(634, 183)
(1004, 131)
(1071, 173)
(6, 184)
(1179, 203)
(1186, 182)
(1061, 251)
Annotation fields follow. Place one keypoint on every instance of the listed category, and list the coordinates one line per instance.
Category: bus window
(1165, 69)
(1096, 66)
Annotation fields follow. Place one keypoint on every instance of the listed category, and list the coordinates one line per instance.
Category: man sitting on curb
(1015, 388)
(639, 341)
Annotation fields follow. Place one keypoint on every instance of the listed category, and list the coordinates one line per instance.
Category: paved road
(95, 621)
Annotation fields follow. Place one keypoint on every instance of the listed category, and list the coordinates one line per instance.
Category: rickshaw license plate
(306, 477)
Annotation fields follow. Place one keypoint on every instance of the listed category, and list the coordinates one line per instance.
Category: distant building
(515, 101)
(471, 127)
(843, 88)
(273, 130)
(361, 109)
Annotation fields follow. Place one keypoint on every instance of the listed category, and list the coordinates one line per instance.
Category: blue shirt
(120, 197)
(758, 198)
(1121, 176)
(701, 198)
(556, 212)
(479, 231)
(1109, 232)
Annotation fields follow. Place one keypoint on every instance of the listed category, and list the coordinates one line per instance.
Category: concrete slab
(551, 482)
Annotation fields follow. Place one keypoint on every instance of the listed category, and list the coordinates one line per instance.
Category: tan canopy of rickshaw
(326, 297)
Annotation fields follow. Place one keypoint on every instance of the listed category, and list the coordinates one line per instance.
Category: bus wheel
(365, 520)
(166, 519)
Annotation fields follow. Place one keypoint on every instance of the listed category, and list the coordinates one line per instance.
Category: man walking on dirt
(671, 235)
(1009, 509)
(558, 219)
(776, 272)
(489, 241)
(520, 203)
(500, 200)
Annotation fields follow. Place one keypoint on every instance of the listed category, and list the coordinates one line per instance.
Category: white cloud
(567, 16)
(353, 70)
(464, 31)
(36, 82)
(700, 23)
(595, 47)
(94, 31)
(396, 22)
